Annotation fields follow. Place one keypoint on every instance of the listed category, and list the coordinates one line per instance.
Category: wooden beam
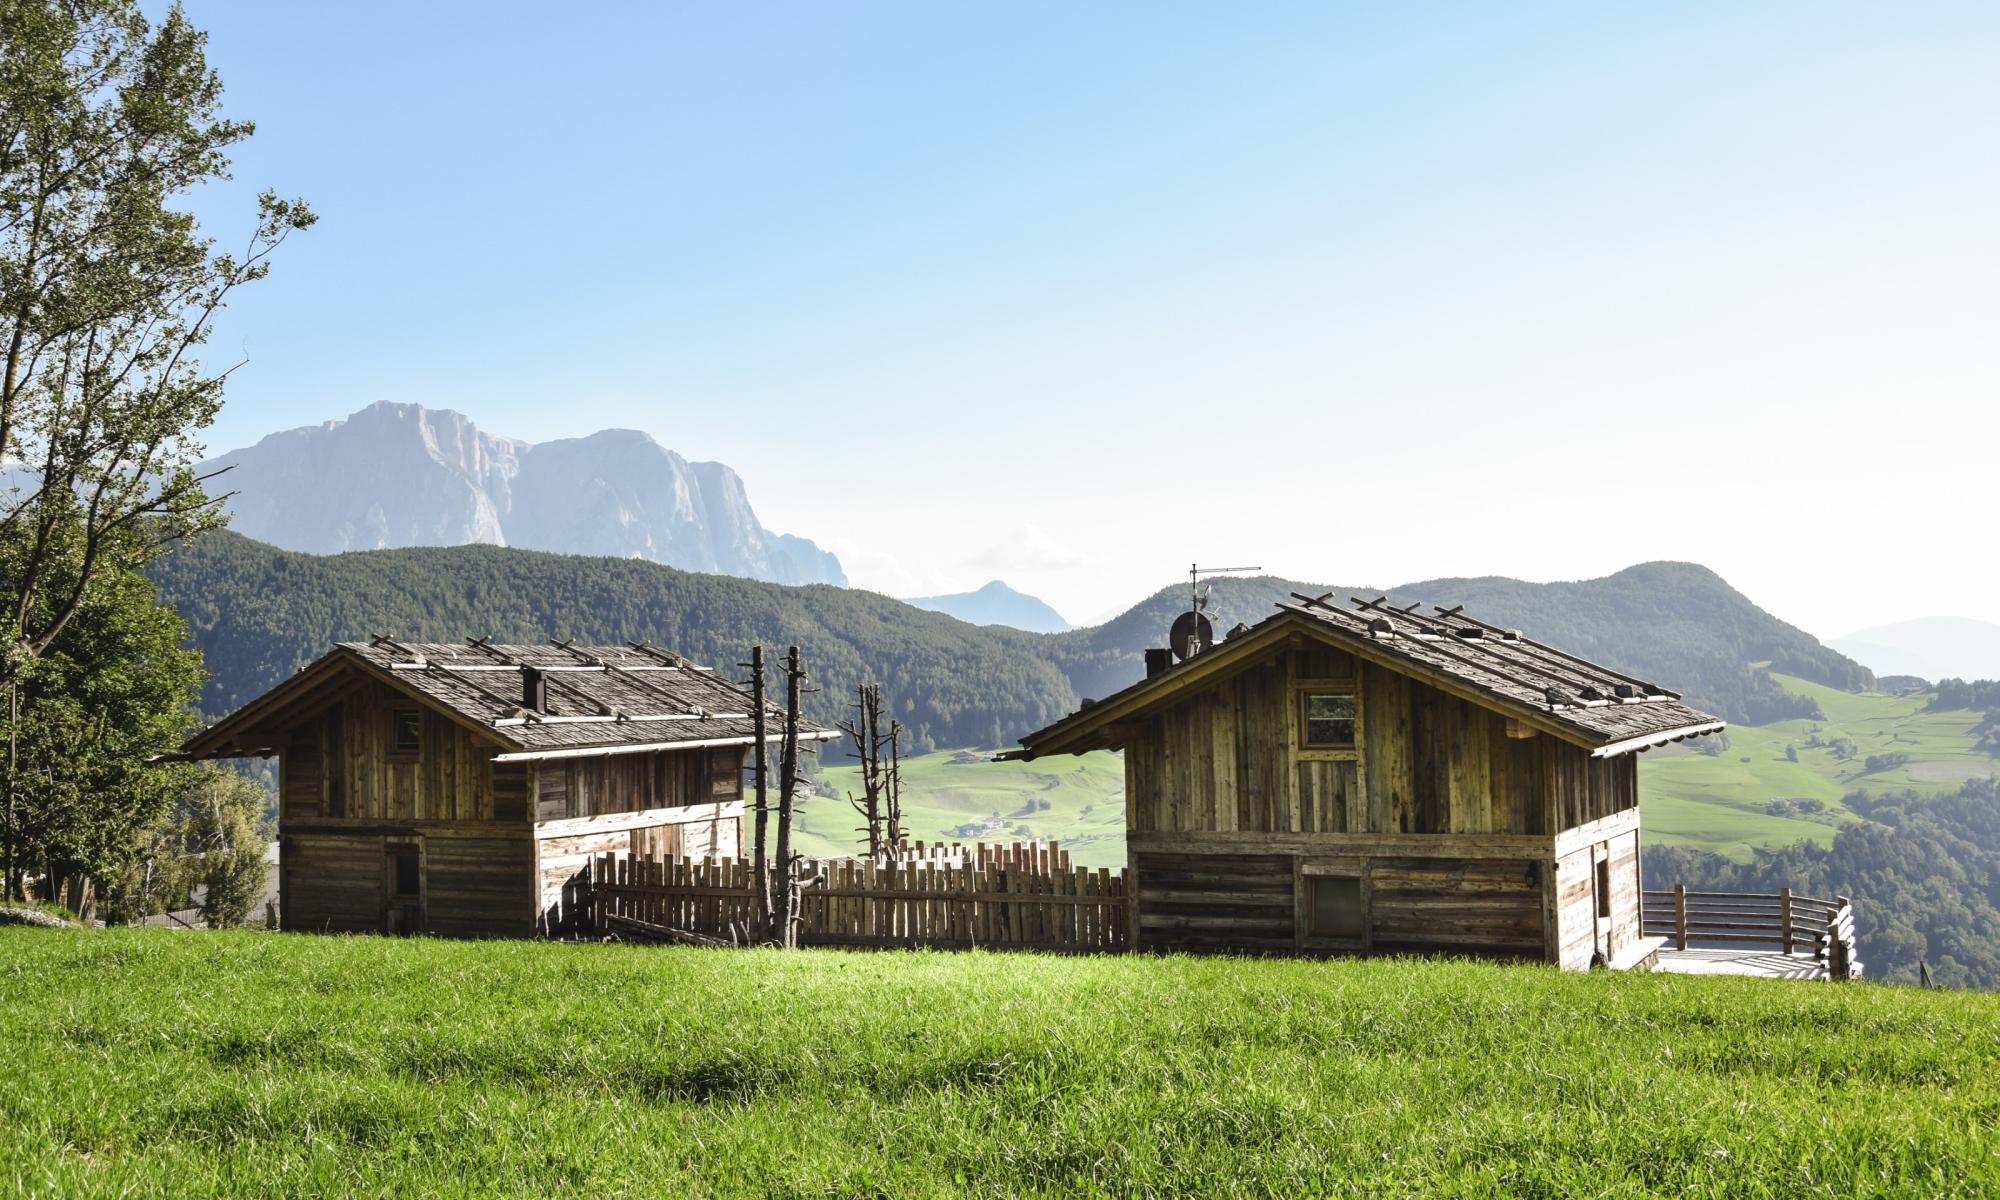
(644, 818)
(1569, 841)
(1519, 846)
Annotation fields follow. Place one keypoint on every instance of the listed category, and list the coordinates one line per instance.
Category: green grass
(156, 1063)
(1084, 795)
(1719, 803)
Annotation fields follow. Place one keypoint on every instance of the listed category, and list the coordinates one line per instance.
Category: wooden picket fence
(1022, 896)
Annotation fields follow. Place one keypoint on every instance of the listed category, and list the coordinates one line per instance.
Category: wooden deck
(1777, 936)
(1767, 964)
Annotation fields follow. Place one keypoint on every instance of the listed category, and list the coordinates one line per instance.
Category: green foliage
(1923, 871)
(389, 1067)
(107, 290)
(216, 834)
(113, 690)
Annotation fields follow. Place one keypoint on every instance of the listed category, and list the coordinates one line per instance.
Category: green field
(1720, 803)
(152, 1063)
(1078, 801)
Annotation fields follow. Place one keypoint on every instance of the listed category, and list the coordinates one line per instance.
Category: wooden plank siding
(1216, 901)
(1448, 812)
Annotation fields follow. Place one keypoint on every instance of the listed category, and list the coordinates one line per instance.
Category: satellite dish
(1190, 635)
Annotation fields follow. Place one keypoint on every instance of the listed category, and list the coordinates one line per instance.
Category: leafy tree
(218, 828)
(113, 690)
(107, 292)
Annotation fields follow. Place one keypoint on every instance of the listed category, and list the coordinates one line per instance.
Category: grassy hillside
(155, 1063)
(1079, 802)
(1724, 803)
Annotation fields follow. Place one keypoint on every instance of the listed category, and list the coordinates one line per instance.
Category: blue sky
(1073, 294)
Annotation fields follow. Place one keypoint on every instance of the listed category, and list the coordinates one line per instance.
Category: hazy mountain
(1932, 647)
(995, 604)
(397, 475)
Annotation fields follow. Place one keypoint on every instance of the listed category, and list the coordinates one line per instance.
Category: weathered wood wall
(337, 881)
(344, 764)
(1216, 902)
(1448, 812)
(1478, 906)
(623, 783)
(1228, 758)
(563, 859)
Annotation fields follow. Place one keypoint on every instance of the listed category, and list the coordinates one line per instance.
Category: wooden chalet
(1375, 779)
(461, 789)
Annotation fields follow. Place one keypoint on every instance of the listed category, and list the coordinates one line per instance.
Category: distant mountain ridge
(1679, 624)
(396, 475)
(259, 613)
(995, 604)
(1932, 648)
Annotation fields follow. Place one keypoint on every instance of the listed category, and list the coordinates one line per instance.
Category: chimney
(534, 689)
(1158, 660)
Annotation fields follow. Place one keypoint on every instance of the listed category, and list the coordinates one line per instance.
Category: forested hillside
(259, 613)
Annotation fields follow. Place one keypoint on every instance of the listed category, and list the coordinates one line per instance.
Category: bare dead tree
(892, 792)
(786, 890)
(865, 729)
(760, 773)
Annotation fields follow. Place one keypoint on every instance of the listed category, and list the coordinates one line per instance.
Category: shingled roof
(1594, 706)
(595, 699)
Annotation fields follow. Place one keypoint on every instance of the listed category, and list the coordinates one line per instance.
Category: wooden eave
(232, 737)
(1090, 729)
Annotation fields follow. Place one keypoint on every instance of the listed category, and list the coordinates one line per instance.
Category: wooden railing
(1788, 923)
(1000, 897)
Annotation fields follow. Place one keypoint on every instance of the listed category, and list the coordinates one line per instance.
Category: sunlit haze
(1070, 295)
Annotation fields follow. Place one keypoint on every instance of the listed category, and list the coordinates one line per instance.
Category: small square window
(409, 726)
(1336, 906)
(1329, 719)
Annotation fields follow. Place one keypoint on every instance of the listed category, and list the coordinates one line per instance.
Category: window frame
(1313, 932)
(1333, 688)
(396, 718)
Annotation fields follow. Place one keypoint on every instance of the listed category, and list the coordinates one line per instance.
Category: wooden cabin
(461, 790)
(1370, 779)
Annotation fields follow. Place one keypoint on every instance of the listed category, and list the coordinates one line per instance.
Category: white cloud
(1026, 550)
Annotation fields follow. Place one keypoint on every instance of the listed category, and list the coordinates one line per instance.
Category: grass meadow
(162, 1063)
(1721, 803)
(1077, 800)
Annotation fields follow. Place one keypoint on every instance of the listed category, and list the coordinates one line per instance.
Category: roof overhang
(1647, 741)
(228, 738)
(819, 735)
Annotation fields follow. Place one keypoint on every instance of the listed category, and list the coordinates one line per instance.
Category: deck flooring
(1769, 964)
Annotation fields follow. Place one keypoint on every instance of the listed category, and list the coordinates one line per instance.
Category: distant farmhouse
(460, 789)
(1375, 779)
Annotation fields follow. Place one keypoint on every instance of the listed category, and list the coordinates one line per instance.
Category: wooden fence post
(1680, 916)
(1785, 918)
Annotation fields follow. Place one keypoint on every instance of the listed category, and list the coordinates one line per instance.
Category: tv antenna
(1192, 632)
